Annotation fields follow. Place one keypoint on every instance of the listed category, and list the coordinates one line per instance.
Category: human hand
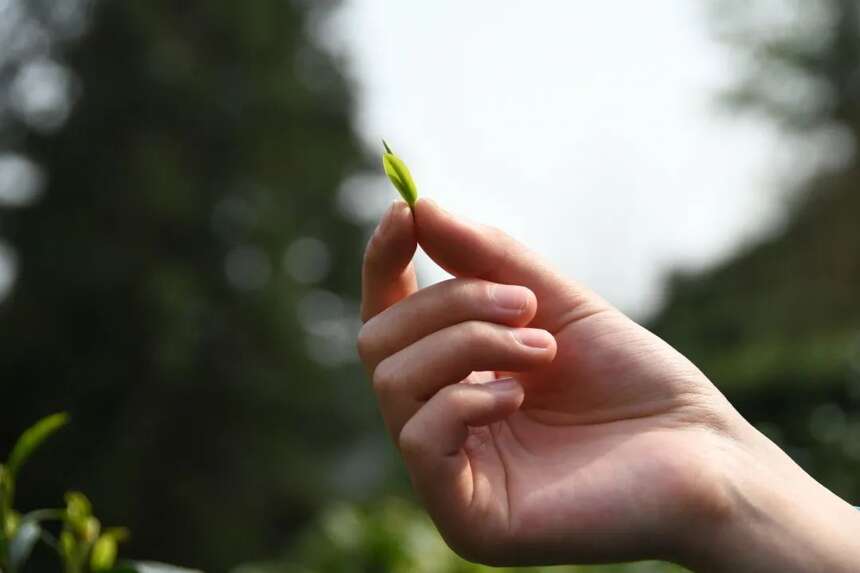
(541, 425)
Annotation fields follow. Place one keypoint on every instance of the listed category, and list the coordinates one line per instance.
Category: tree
(175, 270)
(777, 326)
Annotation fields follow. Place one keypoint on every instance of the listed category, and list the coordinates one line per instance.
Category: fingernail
(510, 297)
(502, 385)
(533, 338)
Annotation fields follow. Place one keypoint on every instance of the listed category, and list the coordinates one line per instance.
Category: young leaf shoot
(399, 175)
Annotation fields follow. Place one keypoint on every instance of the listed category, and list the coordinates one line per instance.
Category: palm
(605, 432)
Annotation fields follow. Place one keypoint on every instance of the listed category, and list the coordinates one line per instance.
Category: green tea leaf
(399, 175)
(103, 555)
(119, 533)
(91, 529)
(67, 545)
(79, 517)
(104, 552)
(11, 523)
(78, 507)
(32, 438)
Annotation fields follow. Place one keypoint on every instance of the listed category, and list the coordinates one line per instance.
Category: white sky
(588, 130)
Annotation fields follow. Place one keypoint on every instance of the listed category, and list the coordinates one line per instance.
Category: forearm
(781, 519)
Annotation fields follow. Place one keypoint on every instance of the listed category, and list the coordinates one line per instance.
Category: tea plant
(82, 545)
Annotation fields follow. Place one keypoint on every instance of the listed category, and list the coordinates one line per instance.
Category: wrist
(774, 517)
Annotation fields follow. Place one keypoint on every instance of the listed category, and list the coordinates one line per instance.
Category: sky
(590, 131)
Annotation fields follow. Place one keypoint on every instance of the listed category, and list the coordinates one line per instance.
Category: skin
(540, 425)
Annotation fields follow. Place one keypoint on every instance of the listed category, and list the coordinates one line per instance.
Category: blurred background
(186, 187)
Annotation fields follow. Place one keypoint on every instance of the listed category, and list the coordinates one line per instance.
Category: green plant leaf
(119, 533)
(105, 549)
(67, 545)
(11, 521)
(103, 555)
(78, 509)
(399, 175)
(22, 544)
(32, 438)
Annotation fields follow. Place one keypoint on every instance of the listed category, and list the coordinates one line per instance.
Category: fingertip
(423, 209)
(426, 203)
(396, 217)
(401, 212)
(396, 232)
(387, 274)
(428, 213)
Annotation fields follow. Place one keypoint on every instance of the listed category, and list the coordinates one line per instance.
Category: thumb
(468, 250)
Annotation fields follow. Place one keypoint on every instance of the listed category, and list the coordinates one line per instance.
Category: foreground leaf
(32, 438)
(104, 552)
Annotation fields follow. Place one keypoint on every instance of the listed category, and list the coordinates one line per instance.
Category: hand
(540, 425)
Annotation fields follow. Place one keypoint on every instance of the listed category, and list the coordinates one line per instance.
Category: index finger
(387, 274)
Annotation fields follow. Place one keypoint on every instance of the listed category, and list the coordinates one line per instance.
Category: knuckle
(454, 398)
(462, 293)
(384, 378)
(364, 343)
(473, 332)
(479, 335)
(479, 292)
(411, 440)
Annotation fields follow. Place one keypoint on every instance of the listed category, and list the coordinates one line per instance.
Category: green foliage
(81, 546)
(399, 175)
(158, 295)
(32, 438)
(104, 552)
(18, 535)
